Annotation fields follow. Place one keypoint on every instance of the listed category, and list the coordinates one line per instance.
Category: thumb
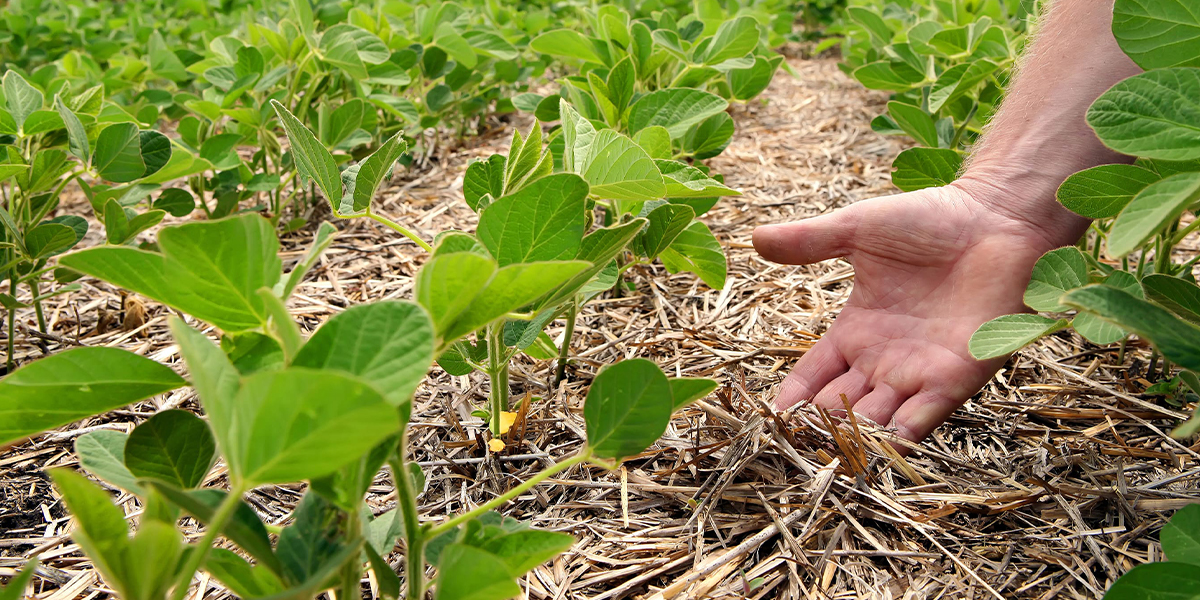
(808, 241)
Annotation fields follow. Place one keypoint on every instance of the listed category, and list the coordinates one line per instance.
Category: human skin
(931, 266)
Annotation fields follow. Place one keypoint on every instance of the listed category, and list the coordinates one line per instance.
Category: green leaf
(76, 135)
(176, 202)
(321, 241)
(1181, 536)
(101, 530)
(1097, 330)
(15, 590)
(1154, 115)
(312, 159)
(371, 173)
(102, 453)
(1007, 334)
(221, 150)
(523, 550)
(733, 39)
(466, 573)
(215, 379)
(685, 181)
(298, 424)
(455, 45)
(665, 223)
(118, 155)
(1158, 33)
(599, 248)
(616, 168)
(241, 577)
(385, 575)
(173, 446)
(22, 97)
(156, 151)
(915, 122)
(1151, 211)
(888, 75)
(209, 269)
(387, 344)
(1157, 581)
(566, 42)
(543, 221)
(919, 168)
(41, 121)
(698, 251)
(686, 390)
(959, 80)
(312, 547)
(351, 49)
(1055, 273)
(1177, 295)
(656, 141)
(74, 384)
(49, 239)
(710, 137)
(448, 283)
(511, 288)
(1102, 192)
(746, 84)
(1176, 339)
(676, 109)
(484, 178)
(245, 528)
(872, 22)
(627, 408)
(163, 61)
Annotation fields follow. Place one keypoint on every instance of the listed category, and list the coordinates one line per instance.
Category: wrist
(1026, 200)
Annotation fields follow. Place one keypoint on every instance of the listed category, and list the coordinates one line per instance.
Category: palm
(930, 267)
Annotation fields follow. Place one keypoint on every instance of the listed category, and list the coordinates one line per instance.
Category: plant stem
(35, 289)
(497, 372)
(399, 228)
(583, 456)
(414, 534)
(560, 369)
(196, 559)
(12, 320)
(351, 588)
(1182, 233)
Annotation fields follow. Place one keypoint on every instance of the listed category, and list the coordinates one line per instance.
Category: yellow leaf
(506, 421)
(496, 445)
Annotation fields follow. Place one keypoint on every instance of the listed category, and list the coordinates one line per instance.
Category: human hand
(930, 267)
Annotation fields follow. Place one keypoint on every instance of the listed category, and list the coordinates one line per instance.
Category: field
(1052, 482)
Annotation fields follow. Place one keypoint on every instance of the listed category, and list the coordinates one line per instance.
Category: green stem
(351, 588)
(414, 534)
(196, 559)
(497, 374)
(12, 321)
(35, 288)
(583, 456)
(400, 229)
(564, 350)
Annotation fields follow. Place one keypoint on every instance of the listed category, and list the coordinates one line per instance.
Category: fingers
(817, 367)
(808, 241)
(917, 417)
(853, 384)
(880, 404)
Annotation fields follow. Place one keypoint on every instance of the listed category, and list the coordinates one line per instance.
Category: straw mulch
(1050, 483)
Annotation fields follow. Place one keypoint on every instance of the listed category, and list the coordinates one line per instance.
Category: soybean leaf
(895, 76)
(686, 390)
(312, 547)
(22, 97)
(102, 532)
(543, 221)
(221, 150)
(733, 39)
(312, 159)
(154, 554)
(959, 80)
(709, 137)
(1158, 33)
(176, 202)
(566, 42)
(174, 446)
(599, 248)
(448, 283)
(1155, 207)
(915, 122)
(118, 155)
(1102, 192)
(627, 408)
(102, 453)
(525, 549)
(74, 384)
(371, 173)
(746, 84)
(245, 528)
(298, 423)
(484, 178)
(455, 45)
(49, 239)
(467, 573)
(1154, 115)
(76, 135)
(919, 168)
(343, 121)
(41, 121)
(387, 344)
(511, 288)
(665, 223)
(1180, 537)
(1097, 330)
(1177, 295)
(684, 181)
(242, 578)
(163, 61)
(1178, 340)
(156, 151)
(385, 575)
(1160, 581)
(676, 109)
(1055, 273)
(210, 269)
(617, 168)
(321, 241)
(698, 251)
(656, 141)
(1007, 334)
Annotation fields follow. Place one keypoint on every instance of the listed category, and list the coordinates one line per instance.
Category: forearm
(1040, 135)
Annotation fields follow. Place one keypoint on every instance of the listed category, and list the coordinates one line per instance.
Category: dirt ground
(1050, 483)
